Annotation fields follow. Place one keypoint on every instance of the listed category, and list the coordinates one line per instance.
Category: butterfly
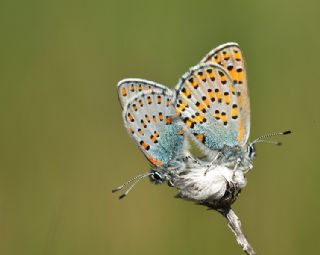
(150, 118)
(212, 100)
(213, 103)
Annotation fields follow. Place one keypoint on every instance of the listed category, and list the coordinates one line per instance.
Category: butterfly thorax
(236, 156)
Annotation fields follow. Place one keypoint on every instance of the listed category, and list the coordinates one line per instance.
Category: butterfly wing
(230, 57)
(208, 103)
(129, 88)
(151, 120)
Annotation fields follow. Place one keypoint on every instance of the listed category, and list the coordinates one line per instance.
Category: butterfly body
(239, 157)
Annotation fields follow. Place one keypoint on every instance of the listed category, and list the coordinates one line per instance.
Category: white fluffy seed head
(198, 185)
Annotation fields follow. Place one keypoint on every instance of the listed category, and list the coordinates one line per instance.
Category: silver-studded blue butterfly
(212, 100)
(150, 118)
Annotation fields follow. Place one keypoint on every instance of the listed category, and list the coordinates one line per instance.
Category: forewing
(208, 103)
(129, 88)
(151, 120)
(230, 57)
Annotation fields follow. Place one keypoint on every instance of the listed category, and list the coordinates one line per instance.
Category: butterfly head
(157, 177)
(166, 173)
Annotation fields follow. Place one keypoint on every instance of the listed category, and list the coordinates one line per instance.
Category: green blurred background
(63, 145)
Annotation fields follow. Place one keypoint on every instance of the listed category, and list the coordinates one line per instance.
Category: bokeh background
(63, 145)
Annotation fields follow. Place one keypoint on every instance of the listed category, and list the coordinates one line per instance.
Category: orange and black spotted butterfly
(150, 118)
(212, 100)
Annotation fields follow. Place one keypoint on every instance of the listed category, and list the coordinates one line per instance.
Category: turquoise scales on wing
(150, 119)
(230, 57)
(207, 102)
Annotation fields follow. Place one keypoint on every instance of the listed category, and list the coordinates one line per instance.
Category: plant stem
(235, 225)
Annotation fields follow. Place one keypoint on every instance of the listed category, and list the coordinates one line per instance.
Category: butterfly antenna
(128, 182)
(262, 138)
(135, 179)
(267, 141)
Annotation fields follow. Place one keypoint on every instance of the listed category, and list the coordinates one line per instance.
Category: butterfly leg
(190, 159)
(212, 162)
(170, 183)
(236, 166)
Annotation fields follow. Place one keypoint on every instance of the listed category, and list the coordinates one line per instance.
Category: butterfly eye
(156, 177)
(251, 151)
